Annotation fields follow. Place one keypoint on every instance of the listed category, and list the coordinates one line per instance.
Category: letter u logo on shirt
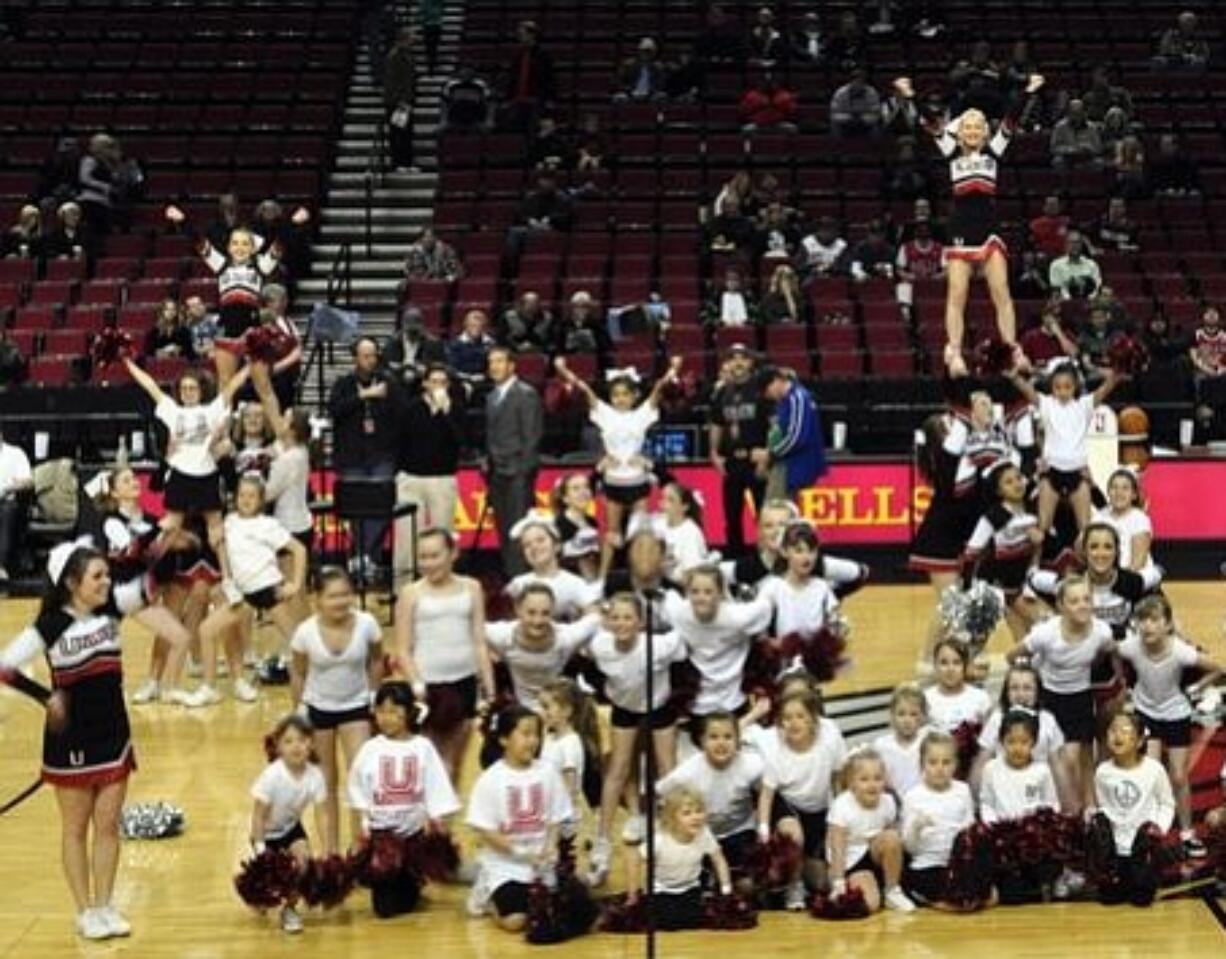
(527, 806)
(398, 775)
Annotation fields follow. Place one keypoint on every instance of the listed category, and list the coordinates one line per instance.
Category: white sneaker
(633, 831)
(598, 861)
(478, 902)
(147, 692)
(177, 696)
(92, 925)
(204, 695)
(116, 924)
(291, 921)
(244, 692)
(796, 897)
(1068, 884)
(897, 900)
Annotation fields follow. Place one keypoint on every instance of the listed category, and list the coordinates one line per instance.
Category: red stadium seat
(50, 371)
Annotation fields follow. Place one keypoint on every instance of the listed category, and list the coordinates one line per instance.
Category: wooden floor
(179, 896)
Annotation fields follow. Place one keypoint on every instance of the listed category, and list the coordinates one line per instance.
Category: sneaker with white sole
(116, 924)
(92, 925)
(478, 902)
(1067, 885)
(205, 695)
(897, 900)
(291, 920)
(244, 692)
(177, 696)
(147, 692)
(598, 861)
(633, 832)
(1193, 848)
(796, 898)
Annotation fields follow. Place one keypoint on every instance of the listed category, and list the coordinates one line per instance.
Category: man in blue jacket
(797, 449)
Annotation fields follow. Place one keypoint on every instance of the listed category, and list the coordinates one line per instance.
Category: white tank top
(443, 636)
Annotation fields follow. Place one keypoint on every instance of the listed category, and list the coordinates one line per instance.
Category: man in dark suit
(514, 425)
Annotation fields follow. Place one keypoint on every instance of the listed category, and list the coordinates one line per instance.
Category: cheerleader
(804, 603)
(253, 541)
(336, 664)
(899, 748)
(1064, 648)
(1133, 792)
(1158, 657)
(1022, 691)
(534, 648)
(863, 847)
(517, 808)
(1012, 532)
(800, 763)
(440, 645)
(683, 842)
(577, 529)
(728, 777)
(397, 785)
(87, 745)
(251, 445)
(572, 739)
(619, 654)
(974, 154)
(541, 544)
(685, 546)
(933, 813)
(1125, 510)
(281, 793)
(953, 702)
(624, 471)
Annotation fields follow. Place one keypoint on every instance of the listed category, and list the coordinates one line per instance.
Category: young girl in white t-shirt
(804, 602)
(1020, 690)
(517, 808)
(541, 545)
(899, 748)
(282, 793)
(1125, 511)
(572, 739)
(953, 703)
(863, 848)
(685, 546)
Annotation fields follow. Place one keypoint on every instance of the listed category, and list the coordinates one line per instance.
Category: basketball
(1133, 424)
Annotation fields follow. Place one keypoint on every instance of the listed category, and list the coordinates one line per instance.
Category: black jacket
(431, 441)
(364, 432)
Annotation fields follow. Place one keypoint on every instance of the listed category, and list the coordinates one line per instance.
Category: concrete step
(384, 196)
(376, 268)
(378, 215)
(366, 285)
(380, 250)
(355, 233)
(425, 158)
(390, 180)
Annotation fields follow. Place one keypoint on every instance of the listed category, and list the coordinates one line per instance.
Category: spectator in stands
(366, 406)
(412, 349)
(1016, 73)
(823, 251)
(1049, 230)
(887, 11)
(797, 449)
(740, 187)
(1114, 231)
(1048, 340)
(921, 258)
(287, 364)
(1074, 275)
(1114, 128)
(731, 304)
(57, 178)
(768, 103)
(855, 108)
(229, 218)
(909, 176)
(808, 42)
(12, 363)
(399, 83)
(643, 76)
(721, 40)
(1094, 344)
(468, 351)
(784, 302)
(1030, 280)
(528, 325)
(169, 336)
(1106, 299)
(777, 234)
(900, 116)
(847, 49)
(591, 145)
(96, 181)
(72, 239)
(546, 208)
(1173, 171)
(514, 427)
(730, 231)
(530, 81)
(1076, 140)
(737, 428)
(430, 258)
(1182, 47)
(16, 479)
(1128, 162)
(977, 82)
(24, 239)
(1103, 95)
(1167, 348)
(874, 255)
(466, 101)
(583, 330)
(1208, 350)
(766, 43)
(430, 17)
(550, 148)
(203, 325)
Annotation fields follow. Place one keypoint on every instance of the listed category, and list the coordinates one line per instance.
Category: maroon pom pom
(326, 882)
(110, 346)
(850, 905)
(624, 915)
(776, 861)
(564, 911)
(1127, 355)
(1215, 843)
(966, 736)
(432, 854)
(268, 880)
(993, 358)
(267, 343)
(384, 857)
(968, 881)
(825, 655)
(729, 912)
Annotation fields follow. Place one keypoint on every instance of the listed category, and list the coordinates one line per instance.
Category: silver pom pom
(155, 820)
(971, 615)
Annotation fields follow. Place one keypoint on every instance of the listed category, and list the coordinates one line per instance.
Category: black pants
(1025, 885)
(400, 140)
(430, 36)
(739, 477)
(511, 496)
(10, 512)
(1130, 878)
(393, 897)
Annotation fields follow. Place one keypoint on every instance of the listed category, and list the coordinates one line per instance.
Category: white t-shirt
(1009, 793)
(522, 805)
(729, 792)
(1064, 667)
(1132, 797)
(1065, 429)
(718, 649)
(531, 669)
(684, 548)
(14, 467)
(1158, 690)
(625, 671)
(805, 610)
(803, 779)
(624, 432)
(287, 795)
(287, 487)
(252, 543)
(951, 810)
(400, 784)
(571, 594)
(902, 760)
(191, 434)
(679, 864)
(947, 712)
(565, 754)
(863, 824)
(337, 682)
(1049, 742)
(1133, 523)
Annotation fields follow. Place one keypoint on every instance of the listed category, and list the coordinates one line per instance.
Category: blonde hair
(909, 693)
(676, 800)
(857, 758)
(1068, 582)
(935, 740)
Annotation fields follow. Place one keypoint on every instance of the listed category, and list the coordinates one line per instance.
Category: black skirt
(96, 747)
(942, 536)
(193, 494)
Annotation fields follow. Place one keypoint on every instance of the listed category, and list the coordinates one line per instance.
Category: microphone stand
(650, 594)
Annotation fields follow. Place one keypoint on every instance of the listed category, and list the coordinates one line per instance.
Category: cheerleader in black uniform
(974, 153)
(87, 745)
